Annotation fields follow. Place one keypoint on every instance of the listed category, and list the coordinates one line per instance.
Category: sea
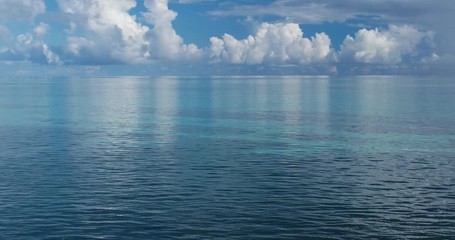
(243, 157)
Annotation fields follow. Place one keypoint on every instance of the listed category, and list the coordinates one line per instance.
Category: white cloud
(435, 15)
(272, 43)
(387, 46)
(111, 30)
(167, 44)
(75, 44)
(105, 31)
(21, 9)
(41, 29)
(29, 48)
(51, 57)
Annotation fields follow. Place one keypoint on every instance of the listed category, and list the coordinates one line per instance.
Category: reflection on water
(166, 104)
(235, 158)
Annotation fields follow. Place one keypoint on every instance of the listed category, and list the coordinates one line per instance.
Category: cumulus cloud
(35, 50)
(167, 44)
(21, 9)
(109, 32)
(435, 15)
(272, 43)
(28, 47)
(387, 46)
(105, 31)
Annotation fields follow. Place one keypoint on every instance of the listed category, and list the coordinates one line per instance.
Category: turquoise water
(227, 158)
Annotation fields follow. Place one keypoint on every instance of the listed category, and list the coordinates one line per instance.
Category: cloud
(321, 11)
(166, 43)
(272, 43)
(436, 15)
(27, 47)
(101, 32)
(35, 50)
(108, 33)
(192, 1)
(41, 29)
(387, 46)
(21, 9)
(292, 11)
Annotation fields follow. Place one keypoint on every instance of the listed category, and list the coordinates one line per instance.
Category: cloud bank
(436, 16)
(389, 46)
(272, 43)
(108, 32)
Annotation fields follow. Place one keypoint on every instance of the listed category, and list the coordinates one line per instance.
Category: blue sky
(227, 37)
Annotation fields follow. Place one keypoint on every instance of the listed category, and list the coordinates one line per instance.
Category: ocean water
(227, 158)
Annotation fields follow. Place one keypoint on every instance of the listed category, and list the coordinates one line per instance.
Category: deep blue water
(227, 158)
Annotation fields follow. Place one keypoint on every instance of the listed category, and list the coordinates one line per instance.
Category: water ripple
(178, 167)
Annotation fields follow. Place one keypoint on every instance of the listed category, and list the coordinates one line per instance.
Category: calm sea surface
(227, 158)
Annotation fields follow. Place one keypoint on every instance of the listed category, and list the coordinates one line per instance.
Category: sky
(217, 37)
